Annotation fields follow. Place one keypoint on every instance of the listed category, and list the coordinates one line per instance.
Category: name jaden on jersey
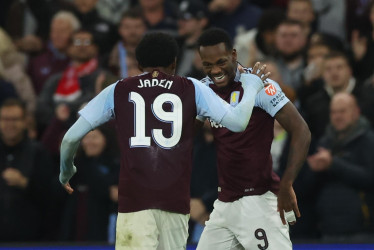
(155, 82)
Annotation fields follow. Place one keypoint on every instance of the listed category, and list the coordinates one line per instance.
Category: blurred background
(57, 55)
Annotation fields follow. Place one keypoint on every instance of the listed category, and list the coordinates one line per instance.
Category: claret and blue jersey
(155, 114)
(244, 159)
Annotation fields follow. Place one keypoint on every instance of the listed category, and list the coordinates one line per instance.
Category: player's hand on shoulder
(260, 71)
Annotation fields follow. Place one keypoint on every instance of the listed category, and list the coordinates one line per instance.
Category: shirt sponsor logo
(234, 99)
(277, 99)
(270, 90)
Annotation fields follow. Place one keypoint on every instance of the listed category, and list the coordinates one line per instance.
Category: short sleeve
(271, 98)
(208, 103)
(101, 108)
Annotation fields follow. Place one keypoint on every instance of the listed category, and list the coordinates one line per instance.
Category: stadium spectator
(13, 70)
(193, 19)
(104, 32)
(54, 60)
(76, 85)
(87, 210)
(7, 89)
(312, 75)
(302, 11)
(160, 15)
(345, 164)
(337, 77)
(315, 55)
(234, 16)
(131, 29)
(112, 10)
(290, 43)
(22, 26)
(366, 100)
(259, 42)
(26, 178)
(331, 17)
(362, 44)
(28, 22)
(248, 189)
(54, 132)
(154, 183)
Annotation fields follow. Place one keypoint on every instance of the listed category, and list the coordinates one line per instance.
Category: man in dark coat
(25, 180)
(345, 166)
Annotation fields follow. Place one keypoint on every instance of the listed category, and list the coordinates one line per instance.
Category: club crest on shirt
(155, 74)
(270, 90)
(234, 98)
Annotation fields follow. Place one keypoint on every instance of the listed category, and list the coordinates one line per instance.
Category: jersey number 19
(174, 117)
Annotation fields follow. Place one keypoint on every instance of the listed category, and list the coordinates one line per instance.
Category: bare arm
(294, 124)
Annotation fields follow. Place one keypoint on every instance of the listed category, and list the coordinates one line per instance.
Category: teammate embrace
(155, 129)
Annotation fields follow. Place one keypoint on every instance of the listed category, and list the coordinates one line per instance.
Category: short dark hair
(335, 54)
(156, 50)
(291, 22)
(270, 19)
(214, 36)
(133, 13)
(12, 102)
(338, 54)
(305, 1)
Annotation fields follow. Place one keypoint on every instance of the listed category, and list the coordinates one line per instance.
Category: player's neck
(161, 69)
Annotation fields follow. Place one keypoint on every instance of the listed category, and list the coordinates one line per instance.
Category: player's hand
(65, 176)
(287, 205)
(198, 211)
(260, 71)
(68, 188)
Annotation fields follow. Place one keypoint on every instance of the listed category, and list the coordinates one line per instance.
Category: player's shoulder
(130, 79)
(274, 84)
(206, 81)
(247, 70)
(271, 89)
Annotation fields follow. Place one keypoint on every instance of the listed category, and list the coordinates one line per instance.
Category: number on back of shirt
(174, 118)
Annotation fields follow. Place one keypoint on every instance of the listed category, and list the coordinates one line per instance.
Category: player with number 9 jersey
(253, 205)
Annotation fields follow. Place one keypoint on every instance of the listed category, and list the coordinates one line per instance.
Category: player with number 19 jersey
(243, 159)
(150, 112)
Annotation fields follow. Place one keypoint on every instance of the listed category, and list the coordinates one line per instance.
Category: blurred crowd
(57, 55)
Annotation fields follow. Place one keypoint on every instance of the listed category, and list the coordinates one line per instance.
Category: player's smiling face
(218, 63)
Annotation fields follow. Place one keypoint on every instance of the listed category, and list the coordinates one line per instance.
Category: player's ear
(234, 55)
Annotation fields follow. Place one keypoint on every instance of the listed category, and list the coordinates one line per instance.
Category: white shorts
(251, 222)
(152, 229)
